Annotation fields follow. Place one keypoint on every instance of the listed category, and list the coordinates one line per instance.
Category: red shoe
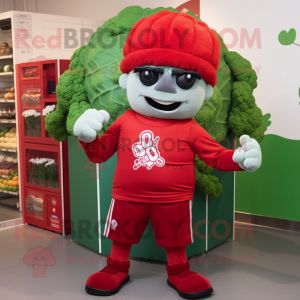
(188, 284)
(109, 280)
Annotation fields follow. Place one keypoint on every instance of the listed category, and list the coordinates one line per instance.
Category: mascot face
(165, 92)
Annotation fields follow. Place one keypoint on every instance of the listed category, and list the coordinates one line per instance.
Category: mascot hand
(249, 155)
(89, 123)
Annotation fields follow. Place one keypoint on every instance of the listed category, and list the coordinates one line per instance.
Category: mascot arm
(101, 149)
(211, 152)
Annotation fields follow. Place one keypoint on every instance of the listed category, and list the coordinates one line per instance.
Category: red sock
(176, 255)
(120, 251)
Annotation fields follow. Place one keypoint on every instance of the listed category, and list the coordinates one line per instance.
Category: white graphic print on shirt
(147, 152)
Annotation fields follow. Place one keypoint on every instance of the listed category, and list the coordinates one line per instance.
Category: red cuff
(227, 164)
(122, 266)
(175, 269)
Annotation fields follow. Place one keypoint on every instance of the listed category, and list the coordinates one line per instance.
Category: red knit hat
(173, 39)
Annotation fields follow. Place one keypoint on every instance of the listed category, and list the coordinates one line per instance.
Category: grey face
(165, 92)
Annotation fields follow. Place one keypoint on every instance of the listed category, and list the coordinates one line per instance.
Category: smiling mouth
(162, 105)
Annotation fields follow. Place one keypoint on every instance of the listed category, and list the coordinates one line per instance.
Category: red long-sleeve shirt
(156, 157)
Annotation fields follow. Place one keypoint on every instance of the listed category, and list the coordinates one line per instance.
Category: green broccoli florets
(208, 184)
(245, 117)
(241, 68)
(76, 110)
(55, 123)
(70, 88)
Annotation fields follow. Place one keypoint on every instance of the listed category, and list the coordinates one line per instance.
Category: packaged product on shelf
(8, 68)
(14, 112)
(4, 113)
(25, 98)
(4, 47)
(11, 113)
(38, 210)
(32, 96)
(2, 91)
(35, 97)
(39, 202)
(9, 50)
(31, 72)
(30, 208)
(30, 199)
(9, 96)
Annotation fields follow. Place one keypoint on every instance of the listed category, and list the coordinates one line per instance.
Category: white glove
(249, 155)
(89, 123)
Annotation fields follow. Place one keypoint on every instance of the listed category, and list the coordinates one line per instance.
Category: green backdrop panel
(221, 209)
(83, 187)
(199, 227)
(274, 189)
(83, 197)
(106, 175)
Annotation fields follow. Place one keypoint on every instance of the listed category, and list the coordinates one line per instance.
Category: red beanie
(173, 39)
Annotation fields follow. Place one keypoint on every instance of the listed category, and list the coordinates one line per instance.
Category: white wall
(277, 66)
(92, 9)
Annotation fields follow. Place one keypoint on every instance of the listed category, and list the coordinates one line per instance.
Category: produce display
(5, 49)
(32, 122)
(11, 183)
(11, 94)
(44, 172)
(8, 138)
(231, 108)
(6, 68)
(8, 163)
(7, 113)
(7, 167)
(7, 93)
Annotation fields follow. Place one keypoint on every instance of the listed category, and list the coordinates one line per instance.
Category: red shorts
(171, 222)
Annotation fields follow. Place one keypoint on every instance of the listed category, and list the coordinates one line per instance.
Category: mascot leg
(110, 279)
(188, 284)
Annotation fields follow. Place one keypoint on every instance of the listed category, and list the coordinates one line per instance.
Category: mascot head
(169, 66)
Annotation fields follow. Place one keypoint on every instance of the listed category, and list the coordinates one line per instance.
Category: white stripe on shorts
(109, 216)
(191, 224)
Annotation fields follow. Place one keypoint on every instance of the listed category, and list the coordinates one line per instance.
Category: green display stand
(90, 195)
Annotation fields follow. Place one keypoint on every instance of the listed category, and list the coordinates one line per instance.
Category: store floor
(263, 267)
(8, 209)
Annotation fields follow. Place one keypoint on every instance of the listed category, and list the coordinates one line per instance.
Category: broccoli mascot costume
(168, 71)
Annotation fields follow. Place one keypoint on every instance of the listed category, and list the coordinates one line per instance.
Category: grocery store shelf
(8, 150)
(2, 100)
(8, 192)
(4, 176)
(6, 56)
(7, 121)
(7, 74)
